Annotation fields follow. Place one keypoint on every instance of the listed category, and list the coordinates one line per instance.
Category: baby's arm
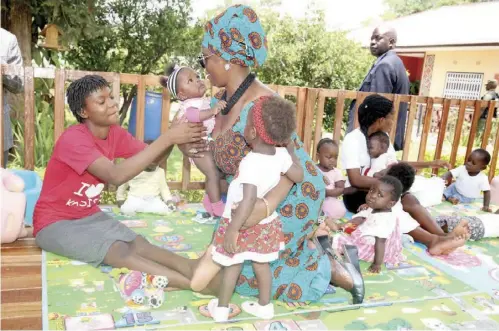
(486, 202)
(448, 178)
(198, 115)
(379, 255)
(338, 189)
(240, 215)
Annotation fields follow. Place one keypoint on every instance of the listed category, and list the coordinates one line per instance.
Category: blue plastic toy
(32, 189)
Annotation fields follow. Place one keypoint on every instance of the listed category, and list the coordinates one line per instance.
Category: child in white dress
(327, 153)
(185, 85)
(258, 173)
(378, 145)
(376, 231)
(470, 180)
(148, 192)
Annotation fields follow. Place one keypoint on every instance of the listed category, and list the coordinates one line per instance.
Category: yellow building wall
(486, 62)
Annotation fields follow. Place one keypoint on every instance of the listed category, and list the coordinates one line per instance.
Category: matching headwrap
(257, 111)
(171, 83)
(237, 36)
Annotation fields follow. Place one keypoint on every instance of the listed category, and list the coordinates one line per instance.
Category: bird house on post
(51, 32)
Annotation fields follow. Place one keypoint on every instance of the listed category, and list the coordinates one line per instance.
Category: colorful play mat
(459, 291)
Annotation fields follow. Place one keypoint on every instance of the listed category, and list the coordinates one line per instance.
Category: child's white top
(146, 184)
(263, 171)
(470, 186)
(354, 152)
(202, 104)
(381, 163)
(379, 225)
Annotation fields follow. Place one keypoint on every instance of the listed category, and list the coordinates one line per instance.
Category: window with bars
(463, 85)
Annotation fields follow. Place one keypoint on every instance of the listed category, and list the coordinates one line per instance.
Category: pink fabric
(393, 245)
(200, 104)
(334, 176)
(334, 208)
(207, 204)
(218, 208)
(192, 114)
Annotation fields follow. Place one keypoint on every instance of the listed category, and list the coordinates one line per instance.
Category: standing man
(490, 94)
(387, 75)
(9, 54)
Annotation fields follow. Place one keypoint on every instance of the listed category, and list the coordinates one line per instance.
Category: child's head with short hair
(405, 173)
(90, 99)
(378, 144)
(272, 121)
(183, 83)
(384, 194)
(477, 161)
(327, 153)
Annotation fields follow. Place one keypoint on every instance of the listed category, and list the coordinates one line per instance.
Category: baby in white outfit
(378, 150)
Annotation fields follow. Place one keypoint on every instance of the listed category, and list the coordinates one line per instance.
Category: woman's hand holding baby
(183, 133)
(218, 107)
(193, 148)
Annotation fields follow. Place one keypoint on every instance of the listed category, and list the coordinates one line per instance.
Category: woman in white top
(376, 114)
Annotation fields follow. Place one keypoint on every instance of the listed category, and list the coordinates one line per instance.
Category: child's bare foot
(445, 245)
(454, 201)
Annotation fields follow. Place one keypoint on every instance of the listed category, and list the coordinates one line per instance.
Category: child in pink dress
(327, 153)
(185, 85)
(258, 173)
(377, 233)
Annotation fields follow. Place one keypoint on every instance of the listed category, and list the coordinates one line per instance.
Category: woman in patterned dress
(233, 42)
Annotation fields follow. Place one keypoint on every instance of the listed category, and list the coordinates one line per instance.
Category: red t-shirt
(69, 191)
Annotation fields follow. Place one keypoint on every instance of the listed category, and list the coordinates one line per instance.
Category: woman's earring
(227, 66)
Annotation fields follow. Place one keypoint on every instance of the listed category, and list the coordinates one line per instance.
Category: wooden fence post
(59, 100)
(29, 119)
(410, 123)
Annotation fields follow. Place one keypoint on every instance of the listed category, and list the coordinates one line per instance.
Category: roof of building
(450, 26)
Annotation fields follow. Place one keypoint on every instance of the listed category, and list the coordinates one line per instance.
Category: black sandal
(358, 289)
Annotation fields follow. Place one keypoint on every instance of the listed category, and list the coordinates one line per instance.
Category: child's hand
(486, 209)
(230, 241)
(363, 207)
(374, 268)
(440, 164)
(219, 107)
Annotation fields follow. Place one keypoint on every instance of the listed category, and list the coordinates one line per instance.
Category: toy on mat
(12, 207)
(137, 288)
(32, 189)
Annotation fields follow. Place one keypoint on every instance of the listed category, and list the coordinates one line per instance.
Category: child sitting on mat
(67, 218)
(147, 193)
(271, 122)
(376, 230)
(185, 85)
(470, 180)
(378, 145)
(327, 153)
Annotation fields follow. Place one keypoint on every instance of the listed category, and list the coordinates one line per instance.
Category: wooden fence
(310, 114)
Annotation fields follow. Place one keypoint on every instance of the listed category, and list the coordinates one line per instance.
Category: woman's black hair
(325, 141)
(405, 173)
(373, 108)
(80, 89)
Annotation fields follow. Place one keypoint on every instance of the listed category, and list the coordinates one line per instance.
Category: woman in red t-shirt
(67, 219)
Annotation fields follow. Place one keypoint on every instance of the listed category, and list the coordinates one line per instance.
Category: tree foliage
(303, 53)
(135, 36)
(399, 8)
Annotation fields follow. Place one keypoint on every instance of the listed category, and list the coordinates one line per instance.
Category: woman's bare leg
(437, 245)
(421, 215)
(205, 271)
(339, 276)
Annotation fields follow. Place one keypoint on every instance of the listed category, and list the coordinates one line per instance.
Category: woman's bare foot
(445, 245)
